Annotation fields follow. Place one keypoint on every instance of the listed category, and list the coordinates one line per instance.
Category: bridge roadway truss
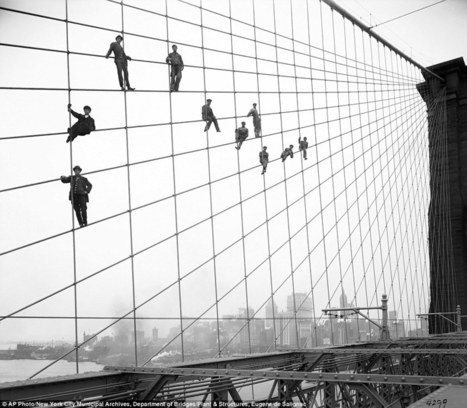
(379, 374)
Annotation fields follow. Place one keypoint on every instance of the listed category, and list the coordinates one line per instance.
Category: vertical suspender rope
(422, 199)
(380, 156)
(352, 266)
(73, 232)
(179, 283)
(361, 248)
(381, 273)
(341, 282)
(370, 262)
(210, 190)
(392, 267)
(305, 211)
(317, 168)
(419, 176)
(402, 251)
(240, 184)
(177, 240)
(398, 256)
(297, 339)
(130, 214)
(271, 282)
(407, 262)
(326, 265)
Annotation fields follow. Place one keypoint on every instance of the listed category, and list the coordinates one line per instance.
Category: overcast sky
(375, 163)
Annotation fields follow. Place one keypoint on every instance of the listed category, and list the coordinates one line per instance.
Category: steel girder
(363, 375)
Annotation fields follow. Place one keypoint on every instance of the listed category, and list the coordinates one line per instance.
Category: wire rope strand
(345, 183)
(326, 264)
(305, 211)
(210, 190)
(336, 227)
(315, 331)
(294, 305)
(264, 193)
(247, 303)
(130, 210)
(175, 196)
(72, 196)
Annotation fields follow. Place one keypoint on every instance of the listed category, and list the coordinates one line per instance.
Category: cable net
(189, 251)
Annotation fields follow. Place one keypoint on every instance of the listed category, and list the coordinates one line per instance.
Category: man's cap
(254, 104)
(121, 36)
(208, 100)
(174, 45)
(86, 107)
(265, 147)
(243, 123)
(291, 146)
(77, 168)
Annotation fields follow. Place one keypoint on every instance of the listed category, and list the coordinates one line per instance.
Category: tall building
(271, 313)
(299, 320)
(302, 305)
(155, 333)
(343, 302)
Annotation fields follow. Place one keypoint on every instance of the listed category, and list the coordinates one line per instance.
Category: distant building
(155, 334)
(396, 327)
(271, 313)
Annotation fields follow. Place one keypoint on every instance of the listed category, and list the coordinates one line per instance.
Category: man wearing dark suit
(264, 159)
(176, 63)
(288, 151)
(241, 135)
(84, 126)
(80, 187)
(208, 115)
(121, 61)
(256, 120)
(302, 146)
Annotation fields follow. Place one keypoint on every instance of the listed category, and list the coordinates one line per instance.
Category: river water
(13, 370)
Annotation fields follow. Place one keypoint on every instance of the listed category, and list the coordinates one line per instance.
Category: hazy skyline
(207, 234)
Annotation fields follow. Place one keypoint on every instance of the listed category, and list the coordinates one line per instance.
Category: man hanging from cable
(256, 120)
(84, 126)
(264, 159)
(80, 187)
(288, 151)
(302, 146)
(241, 135)
(121, 62)
(176, 67)
(208, 115)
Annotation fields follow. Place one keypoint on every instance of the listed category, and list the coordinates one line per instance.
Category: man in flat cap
(302, 146)
(240, 135)
(256, 120)
(176, 67)
(288, 151)
(264, 158)
(84, 126)
(80, 187)
(121, 62)
(208, 116)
